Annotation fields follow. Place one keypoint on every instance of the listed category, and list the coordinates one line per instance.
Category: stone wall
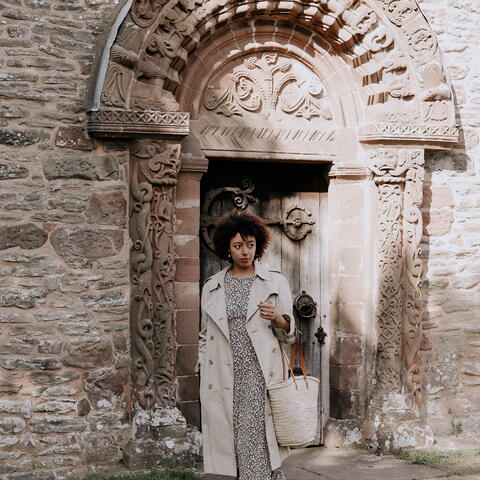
(64, 316)
(452, 236)
(64, 348)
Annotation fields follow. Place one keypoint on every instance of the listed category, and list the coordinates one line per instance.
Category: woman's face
(242, 250)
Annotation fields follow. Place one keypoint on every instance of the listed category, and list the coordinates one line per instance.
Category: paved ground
(333, 464)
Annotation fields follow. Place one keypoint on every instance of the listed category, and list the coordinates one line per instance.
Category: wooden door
(293, 200)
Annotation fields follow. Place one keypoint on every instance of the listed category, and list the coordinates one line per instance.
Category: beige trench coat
(216, 364)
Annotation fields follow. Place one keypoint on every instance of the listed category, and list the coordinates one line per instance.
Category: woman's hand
(268, 312)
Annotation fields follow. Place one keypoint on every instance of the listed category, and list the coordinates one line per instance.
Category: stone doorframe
(381, 69)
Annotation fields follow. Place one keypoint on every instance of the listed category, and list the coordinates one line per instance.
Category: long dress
(249, 389)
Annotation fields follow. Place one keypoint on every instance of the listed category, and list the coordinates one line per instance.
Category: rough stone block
(21, 298)
(55, 406)
(11, 171)
(18, 407)
(57, 424)
(93, 353)
(30, 363)
(11, 425)
(47, 378)
(103, 448)
(105, 386)
(16, 347)
(73, 137)
(83, 167)
(86, 242)
(18, 138)
(24, 236)
(116, 298)
(108, 421)
(107, 209)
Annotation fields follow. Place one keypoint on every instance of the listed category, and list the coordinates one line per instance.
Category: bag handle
(291, 364)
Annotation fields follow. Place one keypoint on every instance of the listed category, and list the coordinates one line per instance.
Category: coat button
(271, 374)
(210, 362)
(274, 349)
(270, 326)
(210, 386)
(211, 337)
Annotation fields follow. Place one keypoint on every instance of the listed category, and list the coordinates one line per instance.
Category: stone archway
(378, 70)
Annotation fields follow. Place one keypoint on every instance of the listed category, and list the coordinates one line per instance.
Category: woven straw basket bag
(294, 404)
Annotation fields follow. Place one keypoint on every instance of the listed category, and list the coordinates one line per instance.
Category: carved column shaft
(154, 168)
(398, 174)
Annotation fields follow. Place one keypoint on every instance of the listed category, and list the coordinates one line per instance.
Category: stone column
(394, 414)
(160, 431)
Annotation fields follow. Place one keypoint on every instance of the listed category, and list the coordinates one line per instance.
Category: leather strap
(296, 347)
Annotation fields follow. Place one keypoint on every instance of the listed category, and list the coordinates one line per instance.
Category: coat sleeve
(202, 337)
(285, 308)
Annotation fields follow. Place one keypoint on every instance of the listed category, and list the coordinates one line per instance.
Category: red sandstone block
(187, 246)
(191, 412)
(189, 388)
(188, 221)
(188, 193)
(187, 295)
(344, 377)
(348, 289)
(188, 322)
(348, 351)
(186, 360)
(187, 270)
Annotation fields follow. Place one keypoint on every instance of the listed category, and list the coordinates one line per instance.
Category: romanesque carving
(412, 273)
(436, 91)
(154, 168)
(388, 172)
(399, 176)
(419, 132)
(400, 11)
(123, 122)
(266, 86)
(144, 12)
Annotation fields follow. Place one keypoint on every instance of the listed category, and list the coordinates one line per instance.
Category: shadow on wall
(449, 307)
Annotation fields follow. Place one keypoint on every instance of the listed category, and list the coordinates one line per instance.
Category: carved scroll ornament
(399, 177)
(269, 86)
(154, 168)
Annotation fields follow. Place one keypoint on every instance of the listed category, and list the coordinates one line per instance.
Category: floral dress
(249, 389)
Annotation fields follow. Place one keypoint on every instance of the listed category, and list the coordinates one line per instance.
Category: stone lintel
(126, 123)
(439, 137)
(349, 171)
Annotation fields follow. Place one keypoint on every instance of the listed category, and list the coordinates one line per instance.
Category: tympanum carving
(268, 85)
(154, 168)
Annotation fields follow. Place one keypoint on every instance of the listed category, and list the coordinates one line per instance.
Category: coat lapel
(215, 307)
(263, 287)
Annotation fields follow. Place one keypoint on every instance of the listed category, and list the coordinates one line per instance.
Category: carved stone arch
(388, 44)
(377, 82)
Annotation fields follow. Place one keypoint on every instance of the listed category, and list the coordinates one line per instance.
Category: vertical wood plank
(272, 209)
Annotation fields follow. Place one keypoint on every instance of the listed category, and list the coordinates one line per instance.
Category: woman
(246, 311)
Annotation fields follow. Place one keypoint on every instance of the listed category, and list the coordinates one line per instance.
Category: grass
(452, 461)
(170, 474)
